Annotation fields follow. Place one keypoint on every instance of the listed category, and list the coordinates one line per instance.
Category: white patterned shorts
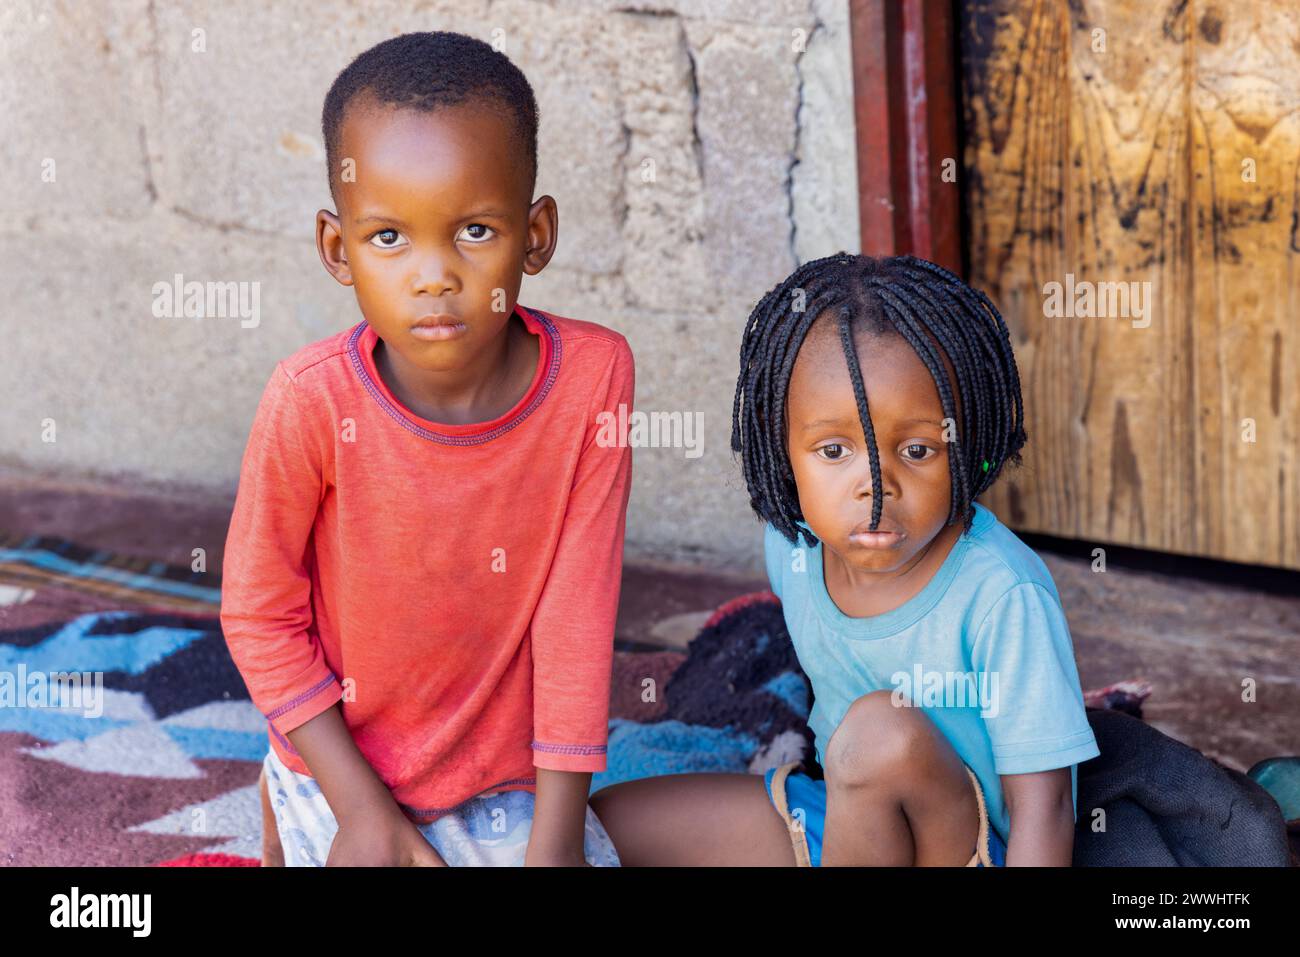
(490, 830)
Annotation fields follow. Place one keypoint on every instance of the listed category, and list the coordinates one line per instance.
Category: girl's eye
(833, 452)
(923, 449)
(477, 233)
(394, 234)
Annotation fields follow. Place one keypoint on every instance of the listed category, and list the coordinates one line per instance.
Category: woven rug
(163, 771)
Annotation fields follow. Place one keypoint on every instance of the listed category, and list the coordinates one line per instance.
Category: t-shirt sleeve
(776, 553)
(1036, 719)
(573, 626)
(266, 607)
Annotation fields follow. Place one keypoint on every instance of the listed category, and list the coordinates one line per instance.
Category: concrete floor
(1196, 639)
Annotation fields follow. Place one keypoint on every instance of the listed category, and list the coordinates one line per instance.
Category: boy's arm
(573, 630)
(559, 819)
(266, 617)
(1041, 813)
(333, 758)
(266, 610)
(372, 830)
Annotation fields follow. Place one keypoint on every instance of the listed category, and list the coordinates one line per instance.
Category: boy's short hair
(425, 71)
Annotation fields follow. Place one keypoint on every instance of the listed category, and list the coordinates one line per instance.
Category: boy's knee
(874, 738)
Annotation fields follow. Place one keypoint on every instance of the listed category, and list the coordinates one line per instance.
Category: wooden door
(1126, 141)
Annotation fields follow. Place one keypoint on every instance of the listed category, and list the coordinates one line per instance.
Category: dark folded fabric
(1166, 804)
(741, 672)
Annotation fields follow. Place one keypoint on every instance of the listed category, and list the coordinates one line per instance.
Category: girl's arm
(1041, 810)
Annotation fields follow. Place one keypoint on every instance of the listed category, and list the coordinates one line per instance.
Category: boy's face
(828, 449)
(436, 226)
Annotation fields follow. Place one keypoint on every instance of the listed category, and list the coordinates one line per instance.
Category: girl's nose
(862, 484)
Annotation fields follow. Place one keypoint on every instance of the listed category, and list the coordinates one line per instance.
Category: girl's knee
(875, 737)
(607, 800)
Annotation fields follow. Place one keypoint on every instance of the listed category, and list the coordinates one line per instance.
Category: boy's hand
(373, 831)
(572, 857)
(381, 839)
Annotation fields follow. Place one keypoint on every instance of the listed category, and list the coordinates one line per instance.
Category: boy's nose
(435, 277)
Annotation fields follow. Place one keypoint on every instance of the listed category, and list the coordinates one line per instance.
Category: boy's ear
(329, 243)
(543, 228)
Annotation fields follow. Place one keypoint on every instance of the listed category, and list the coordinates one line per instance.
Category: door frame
(906, 105)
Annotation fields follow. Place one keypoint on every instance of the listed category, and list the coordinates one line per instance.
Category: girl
(877, 399)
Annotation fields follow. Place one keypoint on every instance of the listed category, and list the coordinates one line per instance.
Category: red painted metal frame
(906, 110)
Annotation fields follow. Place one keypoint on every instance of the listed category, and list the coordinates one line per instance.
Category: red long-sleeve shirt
(454, 585)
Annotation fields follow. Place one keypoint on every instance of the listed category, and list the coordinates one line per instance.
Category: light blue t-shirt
(983, 649)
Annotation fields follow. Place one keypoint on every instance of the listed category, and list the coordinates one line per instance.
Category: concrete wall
(208, 162)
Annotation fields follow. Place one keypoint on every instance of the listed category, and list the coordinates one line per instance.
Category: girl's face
(828, 449)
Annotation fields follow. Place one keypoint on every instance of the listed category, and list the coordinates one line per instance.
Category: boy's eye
(477, 233)
(833, 452)
(386, 239)
(917, 453)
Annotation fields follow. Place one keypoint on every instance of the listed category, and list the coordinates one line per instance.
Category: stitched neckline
(911, 611)
(361, 345)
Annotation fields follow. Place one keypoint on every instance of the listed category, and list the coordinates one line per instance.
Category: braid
(999, 361)
(774, 332)
(937, 314)
(860, 394)
(913, 331)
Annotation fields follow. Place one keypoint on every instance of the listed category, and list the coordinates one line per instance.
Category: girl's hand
(383, 839)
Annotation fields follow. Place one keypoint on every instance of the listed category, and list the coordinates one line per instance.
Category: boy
(423, 565)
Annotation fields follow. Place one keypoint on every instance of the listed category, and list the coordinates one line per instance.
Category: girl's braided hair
(918, 300)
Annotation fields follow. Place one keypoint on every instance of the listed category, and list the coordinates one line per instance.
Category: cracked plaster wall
(210, 164)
